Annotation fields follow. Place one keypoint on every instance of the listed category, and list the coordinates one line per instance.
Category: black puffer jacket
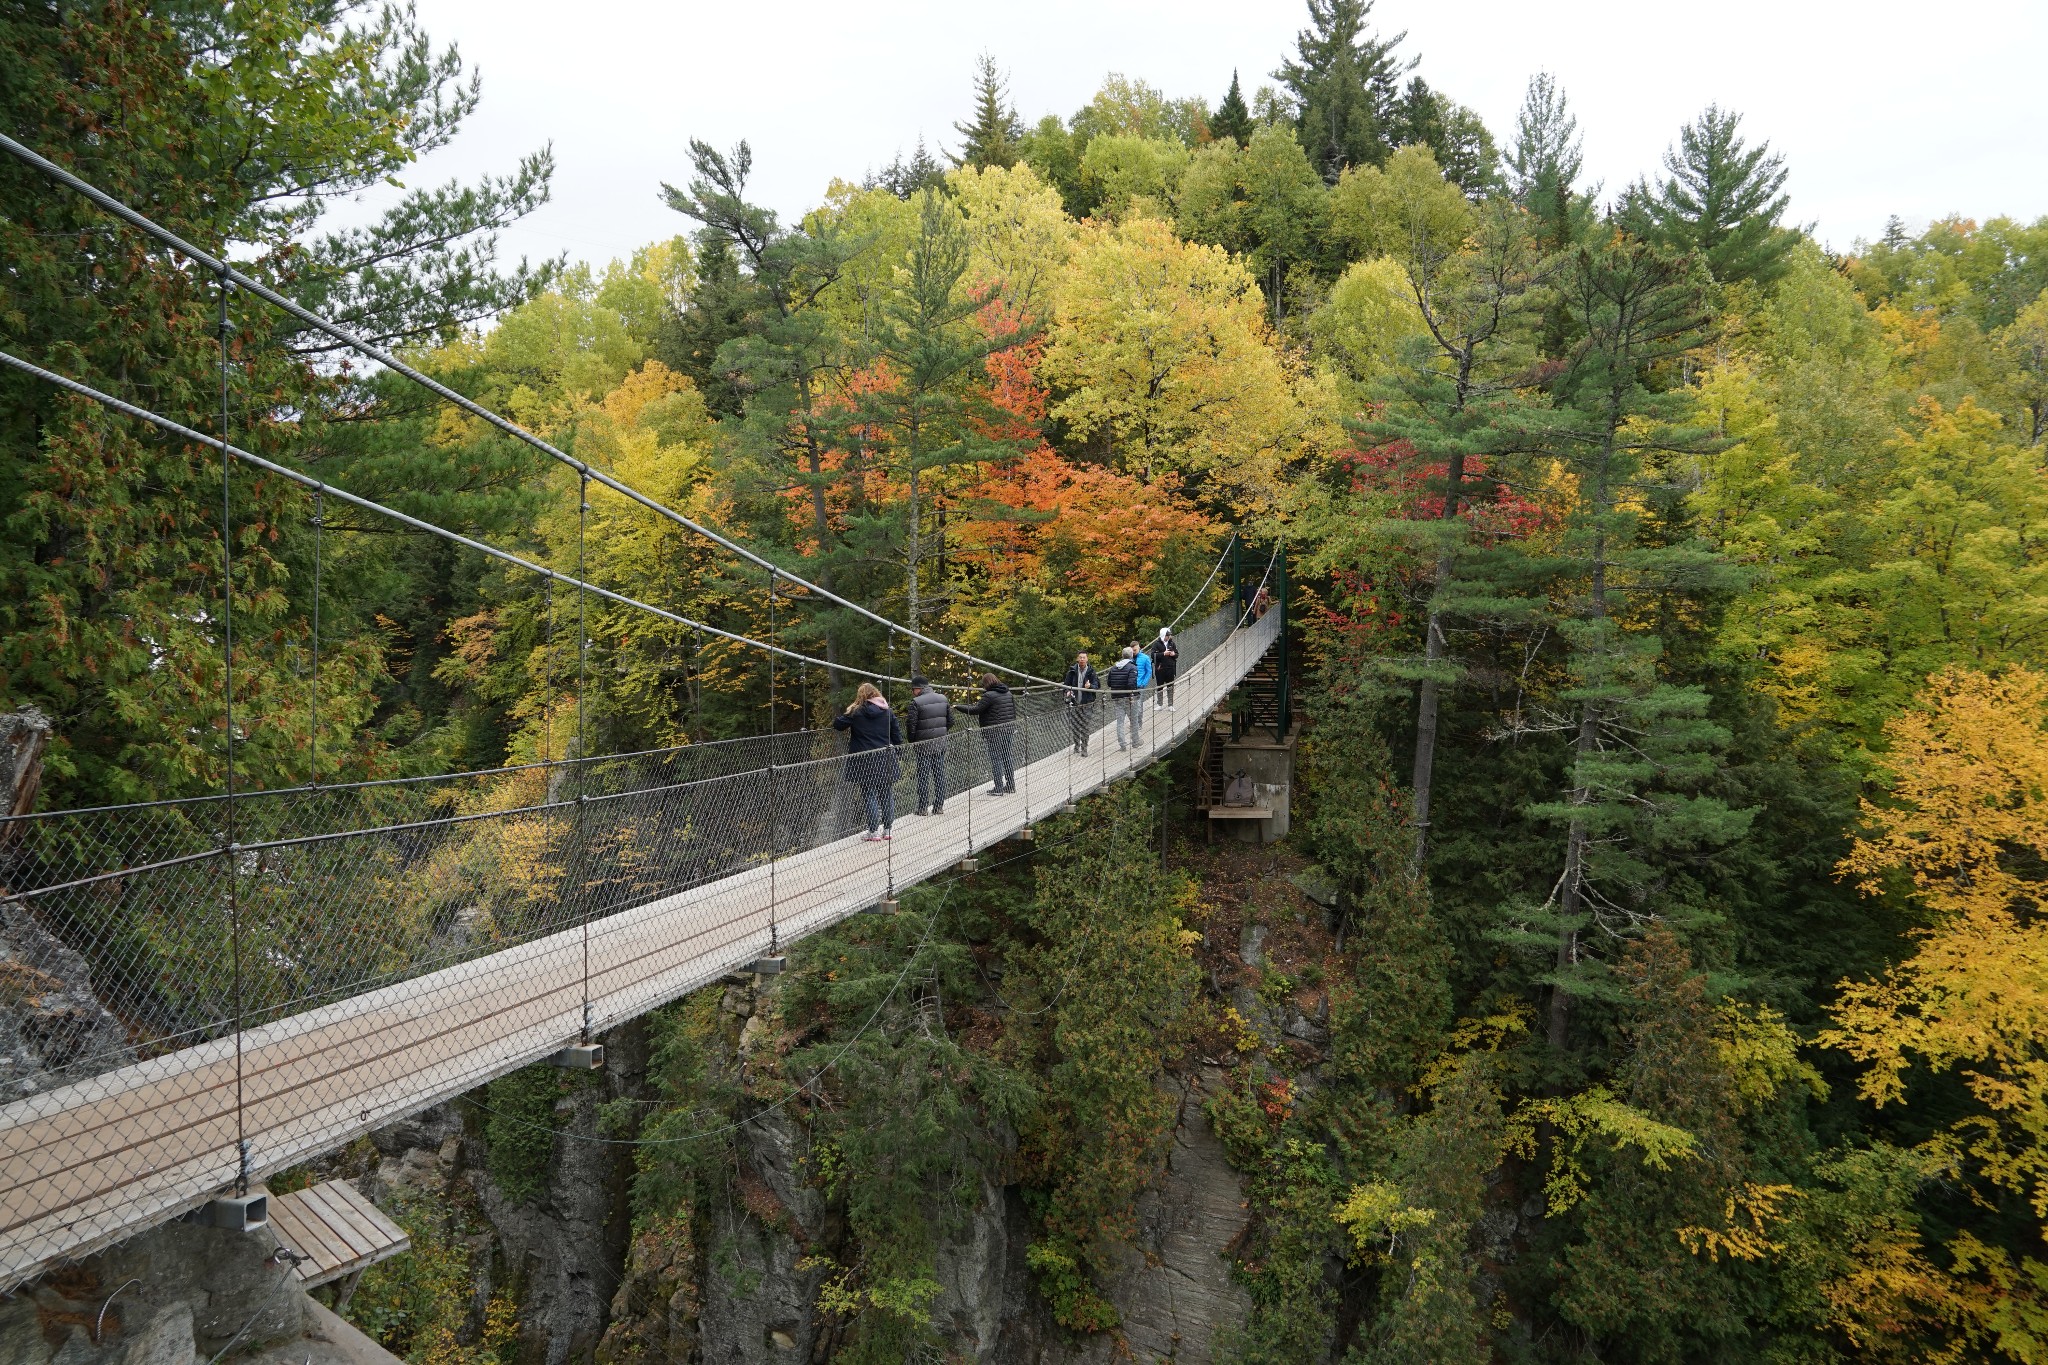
(928, 716)
(870, 749)
(998, 706)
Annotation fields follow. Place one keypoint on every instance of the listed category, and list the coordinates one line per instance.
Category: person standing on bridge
(871, 762)
(1081, 685)
(1167, 666)
(928, 719)
(1142, 657)
(1124, 698)
(997, 711)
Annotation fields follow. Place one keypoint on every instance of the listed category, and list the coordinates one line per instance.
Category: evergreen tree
(906, 179)
(1722, 201)
(783, 361)
(228, 125)
(1450, 403)
(1346, 85)
(994, 136)
(688, 339)
(1642, 746)
(1454, 134)
(1546, 159)
(1544, 164)
(935, 414)
(1233, 117)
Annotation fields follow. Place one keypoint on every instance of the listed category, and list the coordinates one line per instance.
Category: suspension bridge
(257, 977)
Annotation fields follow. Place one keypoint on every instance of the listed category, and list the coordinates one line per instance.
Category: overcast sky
(1880, 108)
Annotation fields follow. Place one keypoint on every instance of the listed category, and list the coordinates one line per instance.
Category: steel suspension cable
(509, 427)
(1203, 591)
(307, 481)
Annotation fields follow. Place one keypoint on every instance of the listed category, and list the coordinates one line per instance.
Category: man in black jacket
(926, 721)
(997, 711)
(1081, 685)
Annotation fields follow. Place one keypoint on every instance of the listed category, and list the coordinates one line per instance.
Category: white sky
(1880, 107)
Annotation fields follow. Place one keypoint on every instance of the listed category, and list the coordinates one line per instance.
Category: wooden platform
(87, 1164)
(335, 1229)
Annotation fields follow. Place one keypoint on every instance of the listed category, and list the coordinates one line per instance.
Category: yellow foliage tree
(1968, 829)
(1019, 237)
(1162, 354)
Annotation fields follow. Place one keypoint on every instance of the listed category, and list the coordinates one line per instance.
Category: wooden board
(84, 1165)
(335, 1230)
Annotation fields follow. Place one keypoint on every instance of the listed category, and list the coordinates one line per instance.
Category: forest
(1671, 612)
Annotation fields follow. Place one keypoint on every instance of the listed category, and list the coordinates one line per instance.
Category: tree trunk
(23, 736)
(821, 526)
(1433, 651)
(911, 554)
(1572, 899)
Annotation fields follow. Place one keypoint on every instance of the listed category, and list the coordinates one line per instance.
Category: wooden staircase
(1262, 700)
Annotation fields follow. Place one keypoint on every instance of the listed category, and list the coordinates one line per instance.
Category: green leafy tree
(1112, 962)
(1457, 136)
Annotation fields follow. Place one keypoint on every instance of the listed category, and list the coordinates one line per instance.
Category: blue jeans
(931, 776)
(881, 806)
(1002, 772)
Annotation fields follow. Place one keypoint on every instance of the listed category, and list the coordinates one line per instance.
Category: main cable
(510, 428)
(319, 486)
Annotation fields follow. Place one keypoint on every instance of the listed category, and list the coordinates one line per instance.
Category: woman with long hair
(871, 762)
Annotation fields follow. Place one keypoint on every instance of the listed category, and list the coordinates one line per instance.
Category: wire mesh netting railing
(385, 968)
(334, 890)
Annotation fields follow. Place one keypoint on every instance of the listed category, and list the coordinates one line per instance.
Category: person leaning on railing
(871, 762)
(997, 712)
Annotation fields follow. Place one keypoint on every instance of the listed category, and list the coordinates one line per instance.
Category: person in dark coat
(871, 761)
(997, 711)
(1124, 697)
(1081, 686)
(927, 720)
(1165, 664)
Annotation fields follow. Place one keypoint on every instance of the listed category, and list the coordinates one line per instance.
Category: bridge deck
(85, 1165)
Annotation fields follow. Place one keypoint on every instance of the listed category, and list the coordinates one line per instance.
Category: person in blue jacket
(871, 762)
(1144, 669)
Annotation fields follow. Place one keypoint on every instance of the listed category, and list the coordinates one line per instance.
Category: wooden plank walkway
(335, 1229)
(87, 1164)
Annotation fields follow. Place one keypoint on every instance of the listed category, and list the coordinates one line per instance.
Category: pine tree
(1233, 117)
(226, 124)
(1346, 84)
(1722, 201)
(1545, 161)
(781, 362)
(907, 179)
(1642, 746)
(1544, 164)
(995, 134)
